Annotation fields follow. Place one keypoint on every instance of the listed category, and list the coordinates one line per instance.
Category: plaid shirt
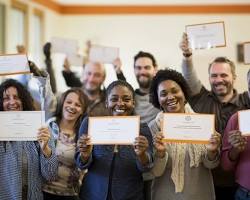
(40, 168)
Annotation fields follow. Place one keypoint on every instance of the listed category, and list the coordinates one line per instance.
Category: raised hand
(214, 146)
(43, 138)
(159, 145)
(117, 65)
(140, 145)
(184, 45)
(66, 64)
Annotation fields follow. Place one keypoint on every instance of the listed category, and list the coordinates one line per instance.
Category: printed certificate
(103, 54)
(14, 64)
(188, 128)
(244, 125)
(207, 35)
(75, 60)
(20, 125)
(114, 130)
(246, 47)
(65, 46)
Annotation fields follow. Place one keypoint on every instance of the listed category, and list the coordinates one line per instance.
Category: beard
(145, 83)
(92, 89)
(228, 89)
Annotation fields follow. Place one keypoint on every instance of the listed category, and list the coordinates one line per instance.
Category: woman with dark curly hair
(182, 170)
(24, 164)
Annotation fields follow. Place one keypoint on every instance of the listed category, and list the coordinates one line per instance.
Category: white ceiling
(149, 2)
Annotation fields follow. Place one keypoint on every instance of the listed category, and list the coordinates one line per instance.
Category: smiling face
(120, 101)
(221, 79)
(144, 71)
(93, 77)
(171, 97)
(11, 100)
(72, 108)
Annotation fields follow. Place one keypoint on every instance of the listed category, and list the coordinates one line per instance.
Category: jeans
(242, 194)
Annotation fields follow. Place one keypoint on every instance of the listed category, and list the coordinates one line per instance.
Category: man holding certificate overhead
(92, 79)
(183, 162)
(93, 76)
(223, 100)
(27, 158)
(116, 150)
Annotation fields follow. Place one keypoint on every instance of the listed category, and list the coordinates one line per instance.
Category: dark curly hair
(23, 94)
(163, 75)
(83, 101)
(119, 83)
(142, 54)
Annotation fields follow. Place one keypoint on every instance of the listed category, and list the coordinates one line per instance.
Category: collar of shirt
(234, 100)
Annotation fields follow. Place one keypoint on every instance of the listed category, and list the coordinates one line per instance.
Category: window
(38, 37)
(2, 28)
(19, 26)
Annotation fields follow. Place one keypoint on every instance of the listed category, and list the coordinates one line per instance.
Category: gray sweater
(198, 181)
(144, 108)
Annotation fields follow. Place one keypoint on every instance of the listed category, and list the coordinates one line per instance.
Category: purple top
(242, 165)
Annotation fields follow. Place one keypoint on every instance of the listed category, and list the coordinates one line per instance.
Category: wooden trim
(38, 12)
(144, 9)
(19, 5)
(165, 9)
(49, 4)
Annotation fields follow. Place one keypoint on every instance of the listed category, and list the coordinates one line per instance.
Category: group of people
(63, 163)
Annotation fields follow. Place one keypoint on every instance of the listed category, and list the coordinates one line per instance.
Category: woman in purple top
(235, 157)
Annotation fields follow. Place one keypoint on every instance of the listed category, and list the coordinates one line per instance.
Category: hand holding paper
(43, 139)
(14, 64)
(114, 130)
(184, 45)
(207, 35)
(140, 145)
(214, 146)
(85, 147)
(238, 143)
(21, 125)
(188, 128)
(159, 145)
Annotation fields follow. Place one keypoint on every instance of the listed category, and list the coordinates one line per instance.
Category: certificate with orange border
(187, 128)
(114, 129)
(244, 125)
(14, 64)
(246, 47)
(20, 125)
(103, 54)
(206, 35)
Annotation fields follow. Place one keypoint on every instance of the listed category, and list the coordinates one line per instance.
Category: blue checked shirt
(40, 168)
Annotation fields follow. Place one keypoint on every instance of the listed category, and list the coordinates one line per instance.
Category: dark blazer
(121, 171)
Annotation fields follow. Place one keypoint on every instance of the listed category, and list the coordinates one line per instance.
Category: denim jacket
(121, 171)
(40, 168)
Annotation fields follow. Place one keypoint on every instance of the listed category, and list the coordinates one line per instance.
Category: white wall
(158, 34)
